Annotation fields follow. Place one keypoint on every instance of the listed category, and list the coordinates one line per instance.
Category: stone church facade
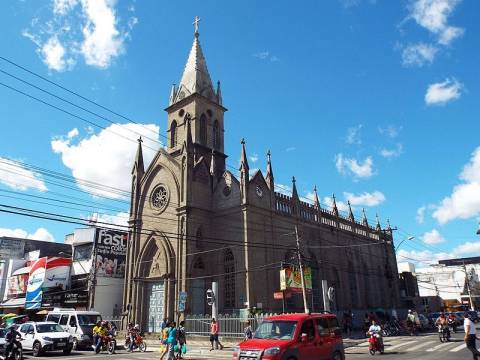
(193, 221)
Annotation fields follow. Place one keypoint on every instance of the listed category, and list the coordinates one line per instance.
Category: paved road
(426, 347)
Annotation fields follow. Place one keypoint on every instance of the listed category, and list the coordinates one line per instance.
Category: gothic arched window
(173, 134)
(199, 238)
(229, 269)
(203, 129)
(216, 135)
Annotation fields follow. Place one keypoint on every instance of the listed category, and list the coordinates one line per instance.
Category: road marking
(421, 345)
(438, 346)
(458, 348)
(362, 344)
(400, 344)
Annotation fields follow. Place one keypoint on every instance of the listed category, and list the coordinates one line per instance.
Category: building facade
(194, 221)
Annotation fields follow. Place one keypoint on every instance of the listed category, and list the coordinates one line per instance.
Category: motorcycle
(375, 344)
(138, 343)
(443, 333)
(16, 353)
(108, 344)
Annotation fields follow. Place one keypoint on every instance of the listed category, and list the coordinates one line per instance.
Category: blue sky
(375, 101)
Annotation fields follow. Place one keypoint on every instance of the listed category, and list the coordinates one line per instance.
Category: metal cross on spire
(195, 24)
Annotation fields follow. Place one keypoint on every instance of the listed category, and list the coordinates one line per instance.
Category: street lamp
(401, 242)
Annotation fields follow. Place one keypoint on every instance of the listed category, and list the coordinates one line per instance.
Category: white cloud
(266, 55)
(102, 39)
(421, 214)
(80, 28)
(365, 199)
(16, 176)
(352, 166)
(464, 201)
(470, 248)
(391, 153)
(254, 158)
(391, 131)
(53, 55)
(418, 54)
(433, 237)
(40, 234)
(109, 220)
(291, 148)
(443, 92)
(433, 16)
(107, 158)
(341, 206)
(353, 135)
(72, 133)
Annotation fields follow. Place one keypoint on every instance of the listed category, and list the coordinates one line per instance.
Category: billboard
(111, 252)
(17, 285)
(33, 299)
(57, 273)
(290, 279)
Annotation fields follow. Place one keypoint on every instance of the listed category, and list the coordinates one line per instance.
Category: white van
(79, 324)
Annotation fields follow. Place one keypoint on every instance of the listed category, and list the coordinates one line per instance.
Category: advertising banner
(111, 252)
(291, 279)
(17, 285)
(57, 273)
(33, 299)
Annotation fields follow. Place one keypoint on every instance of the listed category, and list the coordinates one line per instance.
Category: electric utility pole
(467, 281)
(304, 291)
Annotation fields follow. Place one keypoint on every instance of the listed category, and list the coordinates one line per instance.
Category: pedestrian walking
(172, 340)
(471, 336)
(214, 330)
(182, 340)
(247, 332)
(347, 322)
(164, 338)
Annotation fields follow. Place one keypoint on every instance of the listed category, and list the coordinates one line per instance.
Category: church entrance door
(198, 296)
(156, 296)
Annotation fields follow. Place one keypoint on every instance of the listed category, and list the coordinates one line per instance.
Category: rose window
(160, 197)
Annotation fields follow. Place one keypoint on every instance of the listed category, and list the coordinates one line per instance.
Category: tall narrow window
(216, 137)
(199, 238)
(352, 282)
(229, 268)
(203, 129)
(173, 134)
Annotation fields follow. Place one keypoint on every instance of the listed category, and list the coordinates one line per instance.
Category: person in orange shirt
(214, 335)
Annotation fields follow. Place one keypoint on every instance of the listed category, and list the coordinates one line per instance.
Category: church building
(193, 221)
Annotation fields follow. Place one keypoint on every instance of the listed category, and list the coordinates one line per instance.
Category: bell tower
(195, 98)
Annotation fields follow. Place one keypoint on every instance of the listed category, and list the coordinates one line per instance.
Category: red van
(294, 337)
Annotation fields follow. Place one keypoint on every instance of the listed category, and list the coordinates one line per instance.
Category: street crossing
(405, 344)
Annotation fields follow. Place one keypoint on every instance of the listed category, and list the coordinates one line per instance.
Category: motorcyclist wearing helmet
(11, 339)
(452, 321)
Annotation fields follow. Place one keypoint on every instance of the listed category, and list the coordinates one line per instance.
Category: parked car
(39, 337)
(79, 324)
(294, 337)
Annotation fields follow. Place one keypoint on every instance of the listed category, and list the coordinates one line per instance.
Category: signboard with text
(111, 252)
(11, 248)
(33, 298)
(290, 279)
(17, 285)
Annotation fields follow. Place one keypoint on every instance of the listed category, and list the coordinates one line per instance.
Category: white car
(40, 337)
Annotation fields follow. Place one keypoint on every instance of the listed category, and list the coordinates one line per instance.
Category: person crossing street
(471, 336)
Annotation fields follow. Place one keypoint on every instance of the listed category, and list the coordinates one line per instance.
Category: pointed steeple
(378, 227)
(243, 159)
(350, 212)
(364, 218)
(195, 78)
(294, 188)
(139, 167)
(269, 175)
(219, 93)
(315, 198)
(213, 167)
(173, 94)
(334, 205)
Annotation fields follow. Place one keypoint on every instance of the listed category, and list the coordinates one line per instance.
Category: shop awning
(13, 303)
(23, 270)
